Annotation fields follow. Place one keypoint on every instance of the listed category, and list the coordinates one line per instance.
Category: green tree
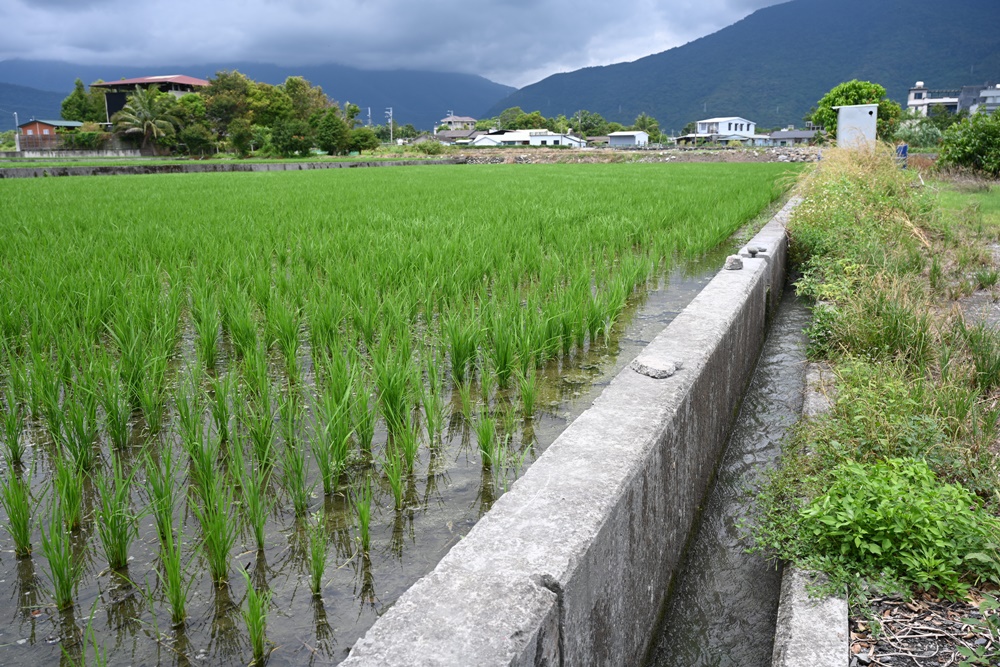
(146, 115)
(858, 92)
(690, 128)
(308, 101)
(351, 112)
(529, 121)
(407, 132)
(241, 136)
(942, 119)
(292, 137)
(973, 143)
(198, 139)
(507, 118)
(227, 97)
(364, 139)
(84, 106)
(269, 104)
(649, 125)
(588, 124)
(332, 134)
(487, 124)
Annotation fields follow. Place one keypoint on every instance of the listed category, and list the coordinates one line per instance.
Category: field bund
(573, 564)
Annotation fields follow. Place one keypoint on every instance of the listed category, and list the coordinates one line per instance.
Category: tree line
(233, 112)
(583, 123)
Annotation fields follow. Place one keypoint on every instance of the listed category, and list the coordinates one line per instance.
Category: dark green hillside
(775, 64)
(28, 103)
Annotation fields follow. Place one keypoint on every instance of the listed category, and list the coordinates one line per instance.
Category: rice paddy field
(242, 413)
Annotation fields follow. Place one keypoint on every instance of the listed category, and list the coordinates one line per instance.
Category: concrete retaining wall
(64, 155)
(207, 167)
(572, 565)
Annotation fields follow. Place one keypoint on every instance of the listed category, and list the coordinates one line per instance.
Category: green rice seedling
(204, 456)
(362, 502)
(15, 495)
(239, 320)
(205, 311)
(257, 374)
(132, 354)
(527, 383)
(218, 528)
(317, 555)
(47, 387)
(256, 500)
(331, 444)
(259, 421)
(294, 473)
(393, 469)
(222, 389)
(80, 424)
(285, 322)
(487, 379)
(255, 617)
(431, 398)
(462, 335)
(408, 444)
(465, 398)
(13, 426)
(363, 415)
(68, 485)
(117, 408)
(393, 373)
(486, 437)
(161, 483)
(65, 570)
(152, 393)
(502, 347)
(189, 411)
(175, 580)
(116, 522)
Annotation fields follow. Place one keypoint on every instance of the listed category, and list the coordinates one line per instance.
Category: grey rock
(734, 263)
(661, 373)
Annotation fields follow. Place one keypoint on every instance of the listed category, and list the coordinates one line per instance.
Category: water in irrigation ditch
(124, 613)
(725, 601)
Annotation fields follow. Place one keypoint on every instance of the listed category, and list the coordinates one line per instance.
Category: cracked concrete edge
(811, 632)
(571, 566)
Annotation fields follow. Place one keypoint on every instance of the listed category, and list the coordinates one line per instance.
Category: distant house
(42, 135)
(792, 137)
(116, 92)
(725, 130)
(454, 122)
(528, 138)
(628, 138)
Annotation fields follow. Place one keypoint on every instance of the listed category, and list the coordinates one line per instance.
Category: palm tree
(145, 113)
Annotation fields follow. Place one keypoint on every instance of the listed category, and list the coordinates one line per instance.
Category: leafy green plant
(317, 555)
(988, 627)
(116, 522)
(973, 143)
(175, 581)
(362, 502)
(68, 486)
(218, 528)
(895, 517)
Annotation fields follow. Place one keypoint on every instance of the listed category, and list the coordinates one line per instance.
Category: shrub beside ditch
(896, 487)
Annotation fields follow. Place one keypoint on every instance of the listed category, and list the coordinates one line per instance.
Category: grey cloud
(511, 41)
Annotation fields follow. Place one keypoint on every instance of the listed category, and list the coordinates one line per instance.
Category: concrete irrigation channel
(572, 566)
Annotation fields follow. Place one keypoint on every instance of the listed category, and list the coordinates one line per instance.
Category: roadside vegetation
(895, 489)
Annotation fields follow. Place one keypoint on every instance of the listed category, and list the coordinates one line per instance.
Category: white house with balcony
(922, 98)
(726, 130)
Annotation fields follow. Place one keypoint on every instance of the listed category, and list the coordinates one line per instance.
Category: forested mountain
(420, 98)
(773, 66)
(28, 103)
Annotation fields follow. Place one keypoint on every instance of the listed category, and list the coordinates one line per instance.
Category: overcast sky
(515, 42)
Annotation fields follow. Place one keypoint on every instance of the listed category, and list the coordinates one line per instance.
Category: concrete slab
(811, 632)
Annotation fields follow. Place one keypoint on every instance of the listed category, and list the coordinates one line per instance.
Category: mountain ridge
(773, 65)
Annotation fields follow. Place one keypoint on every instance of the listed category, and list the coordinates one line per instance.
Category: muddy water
(125, 614)
(725, 601)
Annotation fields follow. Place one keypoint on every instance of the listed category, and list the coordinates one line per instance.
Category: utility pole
(369, 116)
(388, 114)
(17, 132)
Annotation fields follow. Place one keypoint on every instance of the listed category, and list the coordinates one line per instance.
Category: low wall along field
(321, 380)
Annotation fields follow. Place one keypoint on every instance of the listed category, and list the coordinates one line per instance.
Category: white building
(989, 100)
(528, 138)
(921, 99)
(726, 130)
(628, 138)
(453, 122)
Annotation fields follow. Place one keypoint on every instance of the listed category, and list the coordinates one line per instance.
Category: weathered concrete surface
(571, 566)
(811, 632)
(211, 167)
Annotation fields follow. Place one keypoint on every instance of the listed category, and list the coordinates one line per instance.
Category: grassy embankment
(896, 488)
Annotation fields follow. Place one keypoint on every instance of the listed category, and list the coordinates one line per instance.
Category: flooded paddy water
(122, 612)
